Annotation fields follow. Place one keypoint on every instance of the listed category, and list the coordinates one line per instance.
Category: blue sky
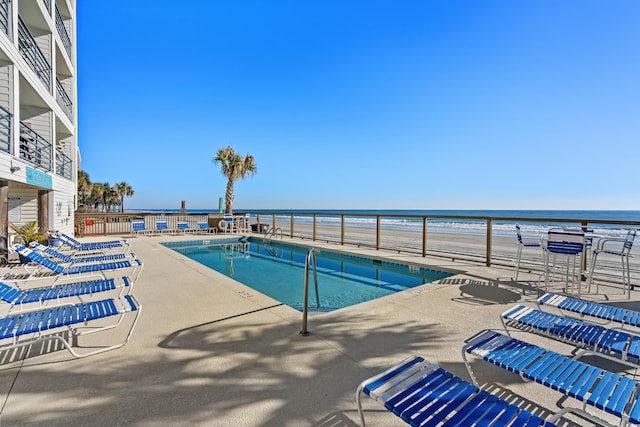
(443, 104)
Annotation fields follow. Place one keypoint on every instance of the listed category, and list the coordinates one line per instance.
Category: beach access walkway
(208, 351)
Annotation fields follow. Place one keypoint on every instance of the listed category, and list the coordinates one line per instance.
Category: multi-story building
(38, 115)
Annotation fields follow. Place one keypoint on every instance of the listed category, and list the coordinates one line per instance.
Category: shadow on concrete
(227, 368)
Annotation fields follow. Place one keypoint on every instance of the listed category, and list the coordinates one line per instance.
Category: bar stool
(623, 252)
(567, 244)
(522, 243)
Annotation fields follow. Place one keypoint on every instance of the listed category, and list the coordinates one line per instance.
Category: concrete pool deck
(209, 351)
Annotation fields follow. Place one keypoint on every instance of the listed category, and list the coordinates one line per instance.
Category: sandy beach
(456, 246)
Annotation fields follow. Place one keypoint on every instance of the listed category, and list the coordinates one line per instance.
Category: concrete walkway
(209, 351)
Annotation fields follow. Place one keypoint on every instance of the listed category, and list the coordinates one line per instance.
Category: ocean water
(448, 221)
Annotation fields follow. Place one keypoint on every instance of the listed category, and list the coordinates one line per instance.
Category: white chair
(567, 244)
(247, 217)
(522, 243)
(227, 224)
(615, 247)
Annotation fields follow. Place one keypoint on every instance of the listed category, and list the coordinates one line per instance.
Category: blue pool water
(277, 270)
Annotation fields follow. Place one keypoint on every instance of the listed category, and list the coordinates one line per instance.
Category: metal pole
(305, 306)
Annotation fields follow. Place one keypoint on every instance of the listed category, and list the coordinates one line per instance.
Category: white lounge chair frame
(46, 324)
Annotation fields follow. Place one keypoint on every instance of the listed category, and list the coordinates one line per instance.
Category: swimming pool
(277, 270)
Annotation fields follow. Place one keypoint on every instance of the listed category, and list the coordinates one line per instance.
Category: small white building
(38, 115)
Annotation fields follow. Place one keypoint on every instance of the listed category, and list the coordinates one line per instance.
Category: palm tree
(97, 194)
(123, 190)
(234, 167)
(111, 198)
(102, 195)
(84, 187)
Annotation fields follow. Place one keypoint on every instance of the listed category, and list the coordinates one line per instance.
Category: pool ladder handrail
(272, 232)
(309, 259)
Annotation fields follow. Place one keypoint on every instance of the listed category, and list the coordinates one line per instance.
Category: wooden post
(43, 210)
(489, 236)
(314, 226)
(4, 219)
(424, 236)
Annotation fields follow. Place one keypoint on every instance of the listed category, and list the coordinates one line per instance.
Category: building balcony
(63, 99)
(31, 52)
(34, 148)
(63, 165)
(4, 16)
(47, 5)
(5, 130)
(62, 31)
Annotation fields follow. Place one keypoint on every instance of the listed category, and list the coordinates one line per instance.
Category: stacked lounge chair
(75, 245)
(39, 263)
(53, 253)
(64, 311)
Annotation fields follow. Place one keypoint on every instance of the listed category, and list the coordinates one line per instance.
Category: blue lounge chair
(46, 324)
(614, 344)
(41, 262)
(424, 394)
(582, 308)
(76, 245)
(21, 297)
(613, 393)
(203, 227)
(138, 227)
(79, 259)
(184, 227)
(162, 227)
